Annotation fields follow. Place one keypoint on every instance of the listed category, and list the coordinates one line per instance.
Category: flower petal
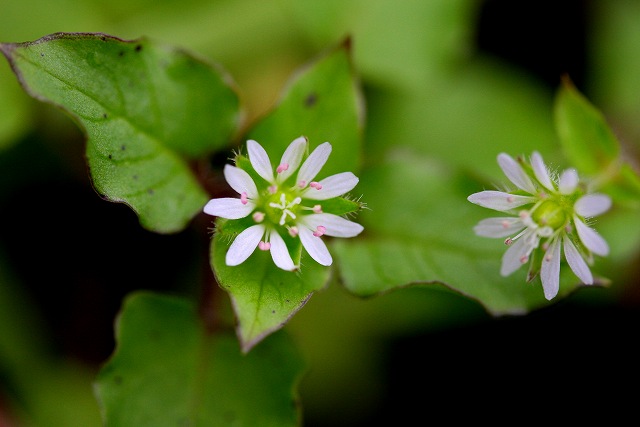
(332, 186)
(576, 262)
(515, 173)
(279, 252)
(592, 205)
(292, 156)
(229, 208)
(260, 160)
(335, 225)
(590, 238)
(498, 227)
(244, 245)
(240, 181)
(540, 171)
(512, 258)
(314, 163)
(568, 181)
(550, 270)
(315, 247)
(499, 201)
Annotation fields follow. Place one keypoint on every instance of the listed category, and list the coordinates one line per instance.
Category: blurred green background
(443, 78)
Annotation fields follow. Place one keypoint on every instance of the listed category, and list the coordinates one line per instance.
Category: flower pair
(551, 217)
(286, 206)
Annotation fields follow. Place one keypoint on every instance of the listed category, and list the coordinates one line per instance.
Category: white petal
(260, 160)
(314, 163)
(498, 227)
(592, 205)
(499, 201)
(335, 225)
(568, 181)
(576, 262)
(315, 247)
(279, 252)
(332, 186)
(550, 270)
(240, 181)
(512, 258)
(244, 245)
(515, 173)
(293, 156)
(540, 171)
(229, 208)
(590, 238)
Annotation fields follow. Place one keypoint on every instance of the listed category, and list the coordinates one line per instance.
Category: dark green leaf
(322, 102)
(166, 371)
(264, 296)
(146, 109)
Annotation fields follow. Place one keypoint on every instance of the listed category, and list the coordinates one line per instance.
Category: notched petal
(499, 200)
(229, 208)
(314, 163)
(592, 205)
(515, 173)
(498, 227)
(240, 181)
(260, 160)
(590, 238)
(315, 247)
(576, 262)
(332, 186)
(244, 245)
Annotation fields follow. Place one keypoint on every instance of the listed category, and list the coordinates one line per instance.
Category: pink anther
(243, 198)
(264, 246)
(273, 189)
(293, 231)
(524, 258)
(283, 167)
(315, 185)
(508, 241)
(510, 199)
(317, 209)
(302, 183)
(320, 230)
(505, 224)
(258, 216)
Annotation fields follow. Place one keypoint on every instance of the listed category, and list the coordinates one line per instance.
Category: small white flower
(282, 207)
(554, 221)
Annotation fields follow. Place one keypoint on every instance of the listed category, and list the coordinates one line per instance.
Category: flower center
(283, 210)
(550, 213)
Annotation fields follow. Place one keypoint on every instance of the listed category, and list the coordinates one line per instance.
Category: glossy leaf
(166, 371)
(264, 297)
(322, 102)
(587, 140)
(146, 109)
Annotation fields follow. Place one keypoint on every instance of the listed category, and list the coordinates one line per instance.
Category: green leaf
(419, 230)
(322, 102)
(588, 142)
(167, 371)
(147, 110)
(264, 296)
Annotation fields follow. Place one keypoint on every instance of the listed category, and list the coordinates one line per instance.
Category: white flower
(554, 221)
(283, 208)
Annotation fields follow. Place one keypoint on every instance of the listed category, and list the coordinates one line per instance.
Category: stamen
(508, 241)
(315, 185)
(320, 230)
(317, 209)
(293, 231)
(524, 258)
(283, 167)
(258, 216)
(505, 224)
(510, 199)
(547, 257)
(302, 183)
(272, 189)
(243, 198)
(264, 246)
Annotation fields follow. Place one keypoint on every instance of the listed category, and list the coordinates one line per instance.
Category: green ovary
(551, 213)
